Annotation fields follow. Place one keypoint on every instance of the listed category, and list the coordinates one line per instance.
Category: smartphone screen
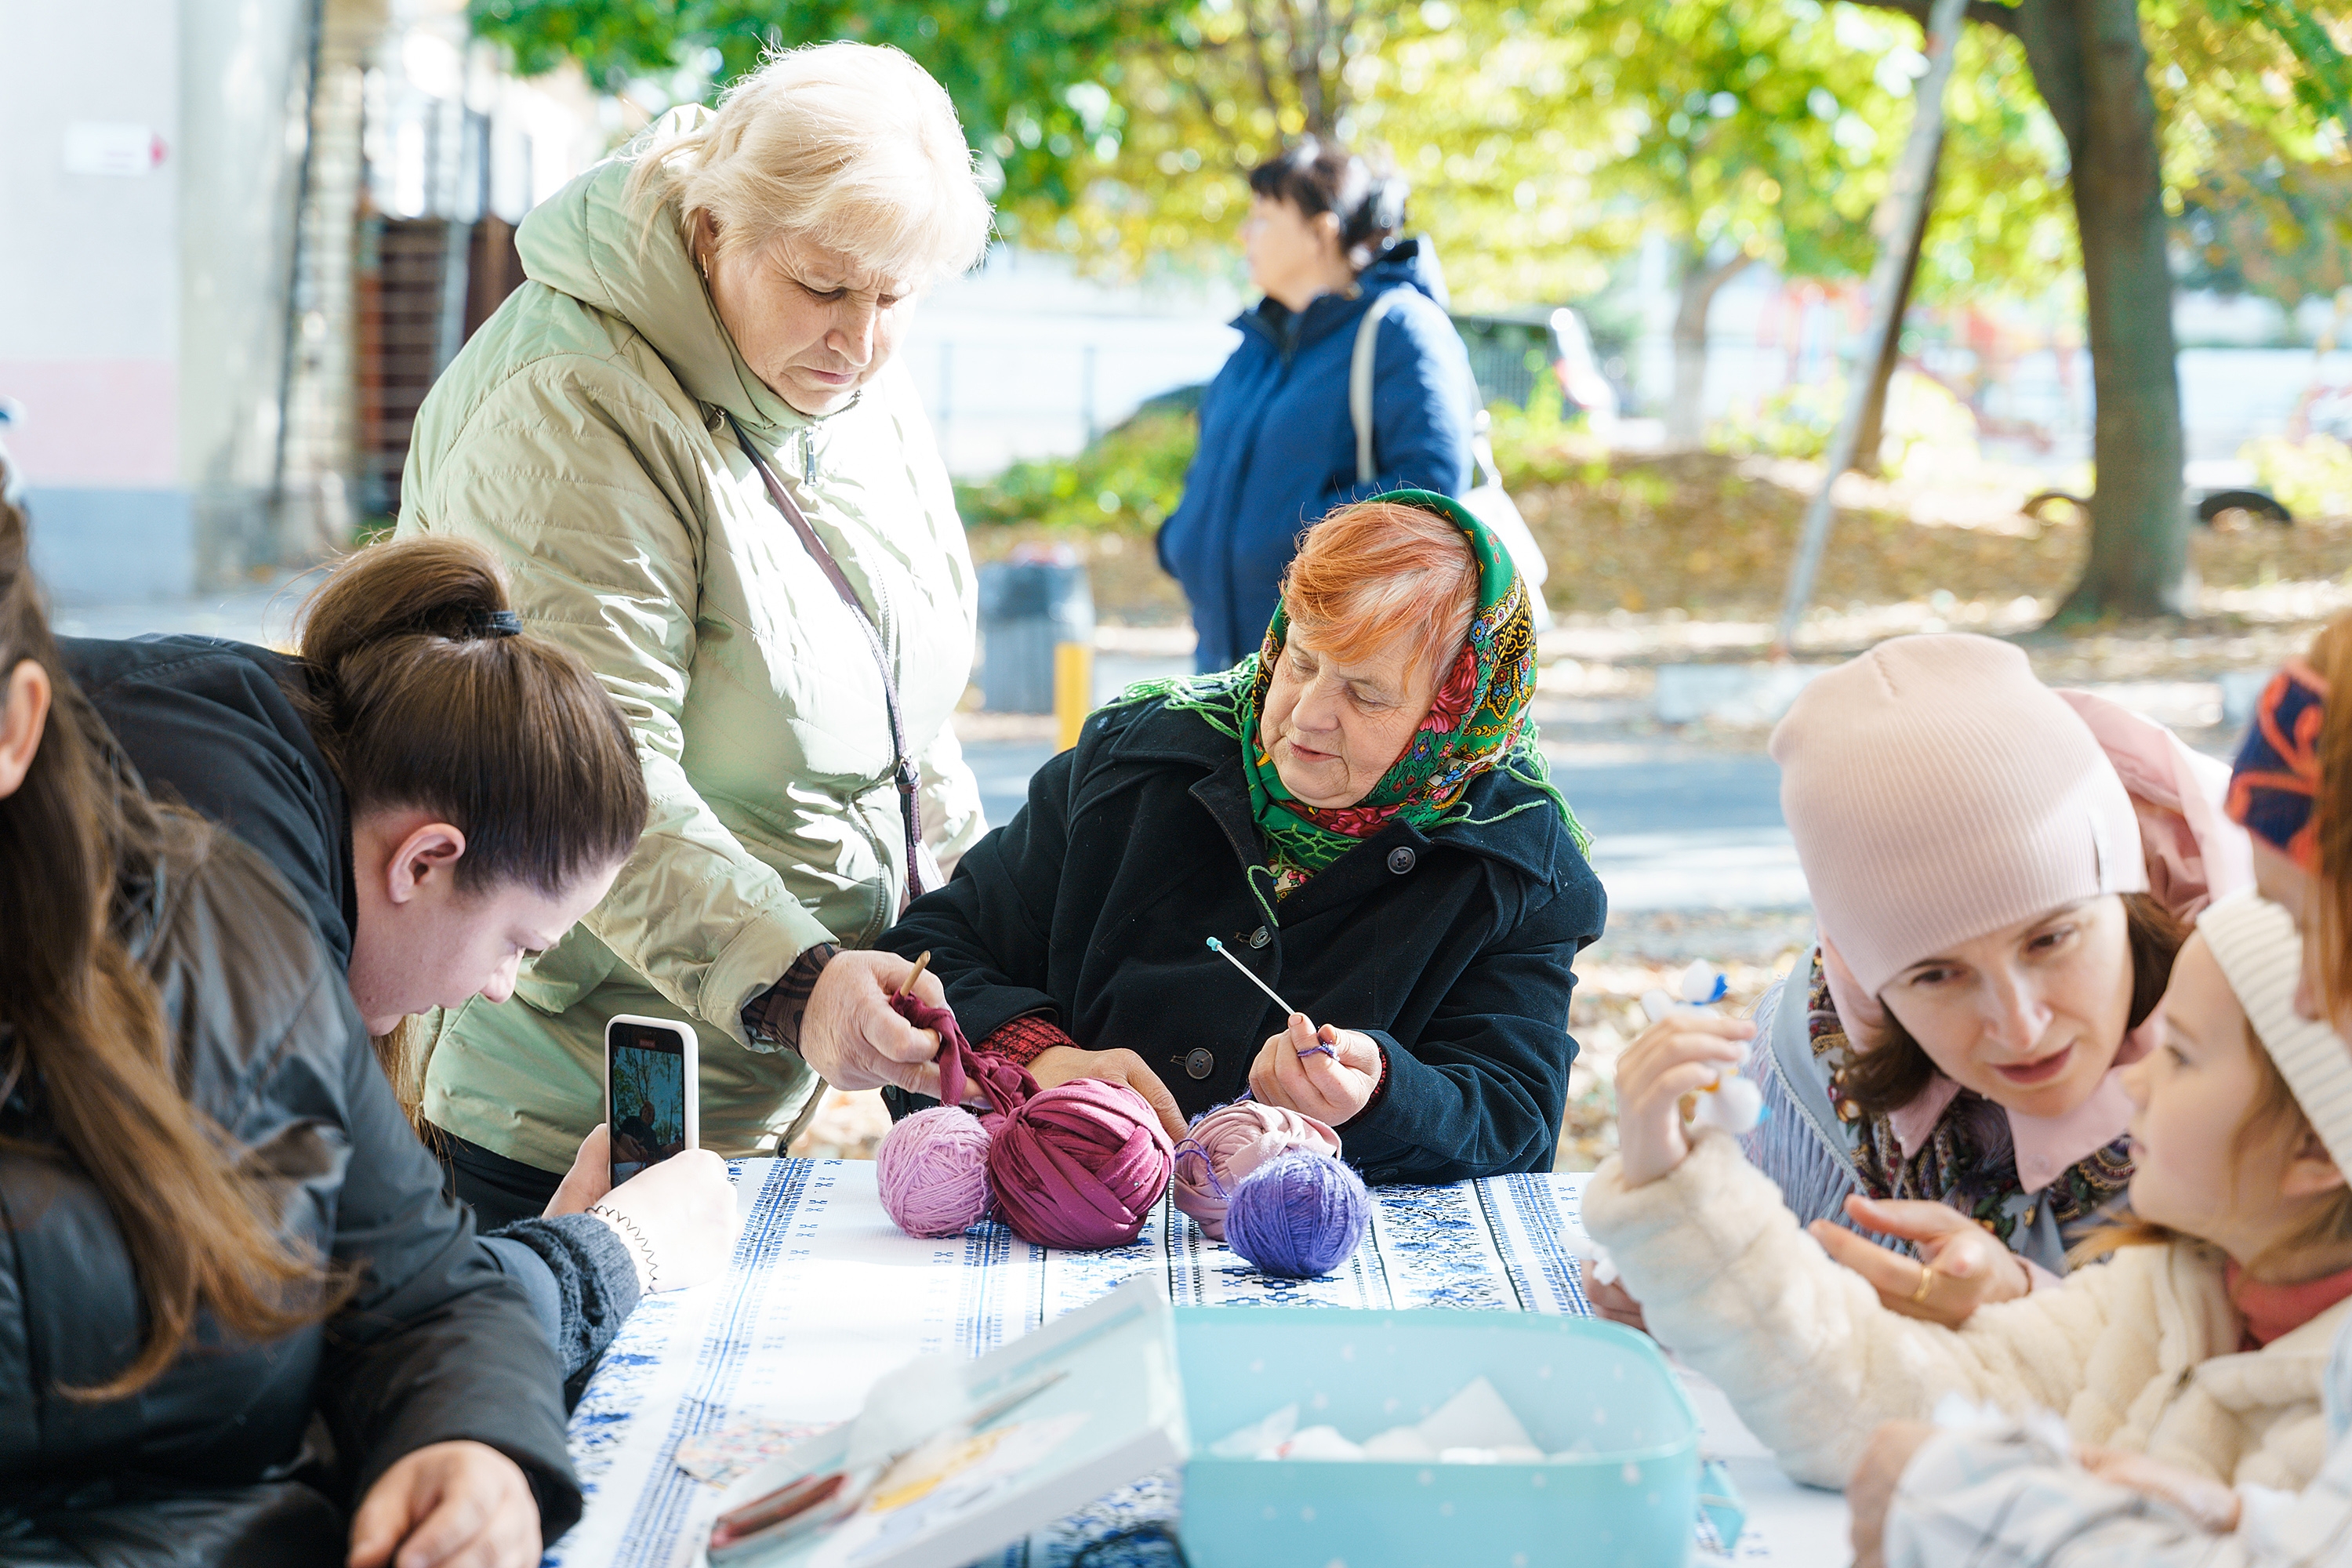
(649, 1073)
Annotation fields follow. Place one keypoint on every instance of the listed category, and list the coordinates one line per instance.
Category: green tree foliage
(1546, 138)
(2256, 165)
(1126, 481)
(1036, 82)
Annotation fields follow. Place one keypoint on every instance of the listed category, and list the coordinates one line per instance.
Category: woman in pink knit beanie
(2001, 874)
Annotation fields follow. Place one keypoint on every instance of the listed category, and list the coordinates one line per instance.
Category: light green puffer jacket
(579, 436)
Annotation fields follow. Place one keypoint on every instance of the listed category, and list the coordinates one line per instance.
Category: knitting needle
(1220, 948)
(921, 963)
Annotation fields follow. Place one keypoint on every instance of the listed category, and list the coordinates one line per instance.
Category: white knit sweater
(2139, 1352)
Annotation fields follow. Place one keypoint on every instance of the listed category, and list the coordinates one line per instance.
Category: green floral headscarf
(1478, 720)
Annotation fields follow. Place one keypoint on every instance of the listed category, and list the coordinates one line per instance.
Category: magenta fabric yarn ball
(1077, 1165)
(1081, 1165)
(932, 1169)
(1227, 1143)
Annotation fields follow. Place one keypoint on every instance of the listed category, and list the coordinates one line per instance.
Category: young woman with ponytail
(218, 1227)
(445, 793)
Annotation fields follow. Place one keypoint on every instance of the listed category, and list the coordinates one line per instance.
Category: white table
(824, 1294)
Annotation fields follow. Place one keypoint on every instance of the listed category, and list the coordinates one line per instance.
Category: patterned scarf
(1476, 721)
(2275, 784)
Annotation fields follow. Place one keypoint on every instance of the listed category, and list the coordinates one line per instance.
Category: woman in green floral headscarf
(1476, 717)
(1359, 812)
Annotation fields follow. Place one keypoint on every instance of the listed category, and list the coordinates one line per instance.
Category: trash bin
(1027, 605)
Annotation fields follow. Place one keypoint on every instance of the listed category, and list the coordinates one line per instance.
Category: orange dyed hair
(1376, 573)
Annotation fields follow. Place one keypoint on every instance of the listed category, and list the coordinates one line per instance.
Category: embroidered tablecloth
(824, 1295)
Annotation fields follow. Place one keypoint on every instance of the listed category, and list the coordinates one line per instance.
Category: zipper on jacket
(808, 456)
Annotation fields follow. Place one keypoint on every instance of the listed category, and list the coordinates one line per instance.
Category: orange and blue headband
(2274, 782)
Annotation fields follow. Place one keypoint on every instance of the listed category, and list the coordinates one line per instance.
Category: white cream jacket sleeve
(1810, 1359)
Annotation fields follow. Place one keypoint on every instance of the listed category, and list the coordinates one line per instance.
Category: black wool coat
(1450, 948)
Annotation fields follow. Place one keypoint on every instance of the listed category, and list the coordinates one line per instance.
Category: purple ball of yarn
(1299, 1215)
(932, 1169)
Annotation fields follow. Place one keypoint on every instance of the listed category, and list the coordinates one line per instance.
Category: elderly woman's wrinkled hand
(852, 1036)
(1961, 1267)
(1678, 1055)
(1332, 1083)
(1060, 1063)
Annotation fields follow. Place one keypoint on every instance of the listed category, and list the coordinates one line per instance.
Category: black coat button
(1260, 937)
(1400, 860)
(1199, 1062)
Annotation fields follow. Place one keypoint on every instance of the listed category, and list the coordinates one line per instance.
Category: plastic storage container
(1628, 1498)
(1128, 1386)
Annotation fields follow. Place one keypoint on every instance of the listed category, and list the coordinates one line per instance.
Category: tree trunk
(2090, 65)
(1701, 280)
(1872, 432)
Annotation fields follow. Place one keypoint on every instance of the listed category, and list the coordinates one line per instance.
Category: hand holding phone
(650, 1111)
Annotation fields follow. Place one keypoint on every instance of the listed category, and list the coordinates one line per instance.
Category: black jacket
(218, 727)
(1451, 949)
(209, 1464)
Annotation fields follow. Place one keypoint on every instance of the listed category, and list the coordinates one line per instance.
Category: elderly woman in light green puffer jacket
(685, 442)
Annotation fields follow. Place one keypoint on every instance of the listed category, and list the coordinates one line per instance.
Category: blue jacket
(1277, 450)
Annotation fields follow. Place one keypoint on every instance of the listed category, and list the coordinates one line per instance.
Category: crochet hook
(1221, 951)
(1220, 948)
(921, 963)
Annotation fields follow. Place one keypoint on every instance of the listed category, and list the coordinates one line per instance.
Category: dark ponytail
(1319, 176)
(82, 1032)
(429, 694)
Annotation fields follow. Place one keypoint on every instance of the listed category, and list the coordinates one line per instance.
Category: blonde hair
(2275, 1120)
(852, 147)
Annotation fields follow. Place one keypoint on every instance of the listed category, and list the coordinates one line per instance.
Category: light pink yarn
(932, 1169)
(1225, 1144)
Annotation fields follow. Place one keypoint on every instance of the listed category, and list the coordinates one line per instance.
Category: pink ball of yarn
(1080, 1164)
(932, 1169)
(1225, 1144)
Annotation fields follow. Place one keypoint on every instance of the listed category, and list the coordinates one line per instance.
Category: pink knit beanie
(1938, 790)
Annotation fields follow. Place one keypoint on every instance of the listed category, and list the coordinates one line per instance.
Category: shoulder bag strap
(902, 768)
(1359, 385)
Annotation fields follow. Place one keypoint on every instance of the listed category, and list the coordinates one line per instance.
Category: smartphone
(649, 1082)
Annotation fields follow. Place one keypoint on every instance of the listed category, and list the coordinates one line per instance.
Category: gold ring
(1926, 1283)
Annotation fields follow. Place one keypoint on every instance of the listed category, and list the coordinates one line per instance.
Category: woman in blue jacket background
(1278, 446)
